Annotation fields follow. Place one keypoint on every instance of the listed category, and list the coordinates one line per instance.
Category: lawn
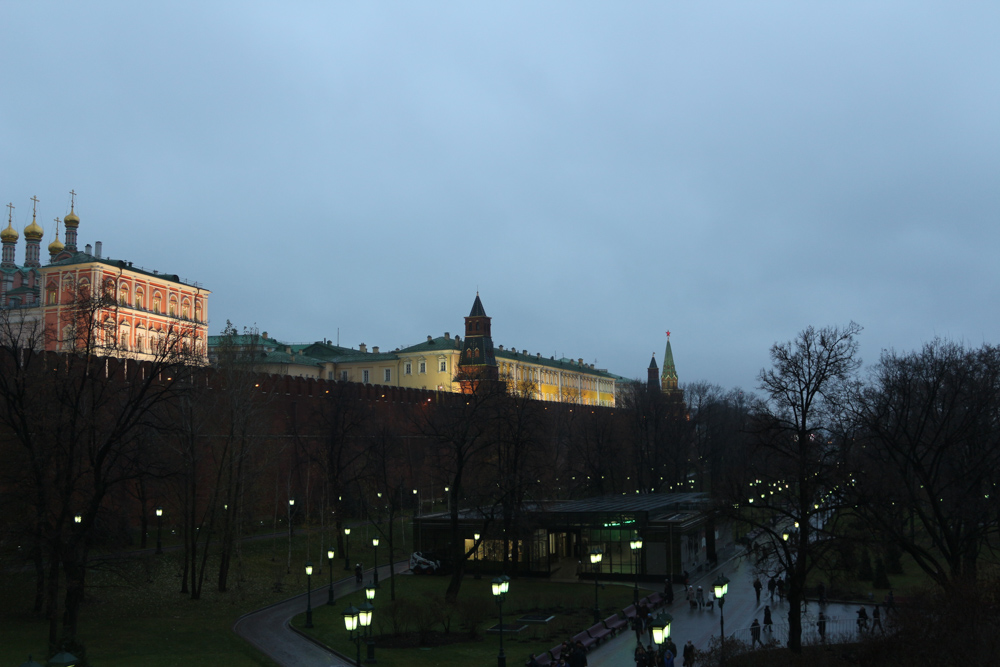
(135, 614)
(420, 608)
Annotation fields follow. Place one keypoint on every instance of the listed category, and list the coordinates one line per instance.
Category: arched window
(197, 310)
(157, 303)
(173, 306)
(186, 309)
(138, 297)
(51, 294)
(123, 295)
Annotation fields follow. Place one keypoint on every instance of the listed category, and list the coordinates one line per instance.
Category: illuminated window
(138, 298)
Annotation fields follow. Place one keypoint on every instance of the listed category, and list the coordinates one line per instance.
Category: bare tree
(788, 486)
(928, 472)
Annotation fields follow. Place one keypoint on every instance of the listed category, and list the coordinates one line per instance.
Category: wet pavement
(741, 608)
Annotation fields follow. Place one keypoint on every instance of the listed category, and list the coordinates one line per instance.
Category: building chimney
(501, 348)
(97, 249)
(89, 250)
(363, 347)
(447, 336)
(430, 339)
(538, 355)
(374, 349)
(580, 361)
(524, 352)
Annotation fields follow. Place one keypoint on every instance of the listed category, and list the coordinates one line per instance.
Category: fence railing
(834, 630)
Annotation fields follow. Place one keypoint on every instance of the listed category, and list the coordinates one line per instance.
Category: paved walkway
(268, 629)
(700, 626)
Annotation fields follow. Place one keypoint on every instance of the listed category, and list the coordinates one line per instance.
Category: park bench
(616, 623)
(585, 639)
(654, 600)
(599, 631)
(629, 612)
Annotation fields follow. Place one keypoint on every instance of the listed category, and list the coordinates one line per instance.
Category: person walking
(781, 589)
(821, 627)
(700, 596)
(357, 573)
(767, 618)
(757, 588)
(668, 658)
(637, 626)
(689, 654)
(862, 619)
(771, 585)
(670, 646)
(755, 634)
(877, 620)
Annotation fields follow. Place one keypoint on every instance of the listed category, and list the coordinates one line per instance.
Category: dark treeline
(901, 456)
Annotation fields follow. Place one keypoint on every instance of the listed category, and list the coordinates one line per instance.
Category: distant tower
(653, 375)
(668, 380)
(477, 361)
(33, 238)
(72, 221)
(56, 246)
(9, 236)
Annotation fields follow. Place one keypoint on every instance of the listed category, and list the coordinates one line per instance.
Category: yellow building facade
(432, 364)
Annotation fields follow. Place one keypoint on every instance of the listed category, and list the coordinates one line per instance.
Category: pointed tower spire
(653, 374)
(477, 361)
(668, 380)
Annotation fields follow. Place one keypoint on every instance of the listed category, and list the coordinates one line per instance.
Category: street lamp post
(309, 609)
(636, 545)
(661, 628)
(347, 548)
(352, 618)
(595, 559)
(291, 506)
(375, 569)
(721, 587)
(329, 562)
(475, 545)
(369, 606)
(159, 530)
(500, 587)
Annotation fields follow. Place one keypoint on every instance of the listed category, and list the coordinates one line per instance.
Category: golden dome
(33, 232)
(9, 235)
(71, 219)
(56, 246)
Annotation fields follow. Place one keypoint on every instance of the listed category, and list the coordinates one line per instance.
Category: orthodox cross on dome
(34, 206)
(57, 227)
(72, 201)
(10, 213)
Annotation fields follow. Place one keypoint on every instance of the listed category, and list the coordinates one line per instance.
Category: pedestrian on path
(767, 619)
(755, 634)
(670, 646)
(821, 626)
(771, 585)
(639, 656)
(357, 573)
(668, 658)
(862, 619)
(877, 620)
(757, 587)
(689, 652)
(700, 596)
(781, 589)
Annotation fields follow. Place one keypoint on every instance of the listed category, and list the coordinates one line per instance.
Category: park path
(741, 608)
(268, 629)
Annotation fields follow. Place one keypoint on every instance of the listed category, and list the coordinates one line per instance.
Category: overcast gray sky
(601, 172)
